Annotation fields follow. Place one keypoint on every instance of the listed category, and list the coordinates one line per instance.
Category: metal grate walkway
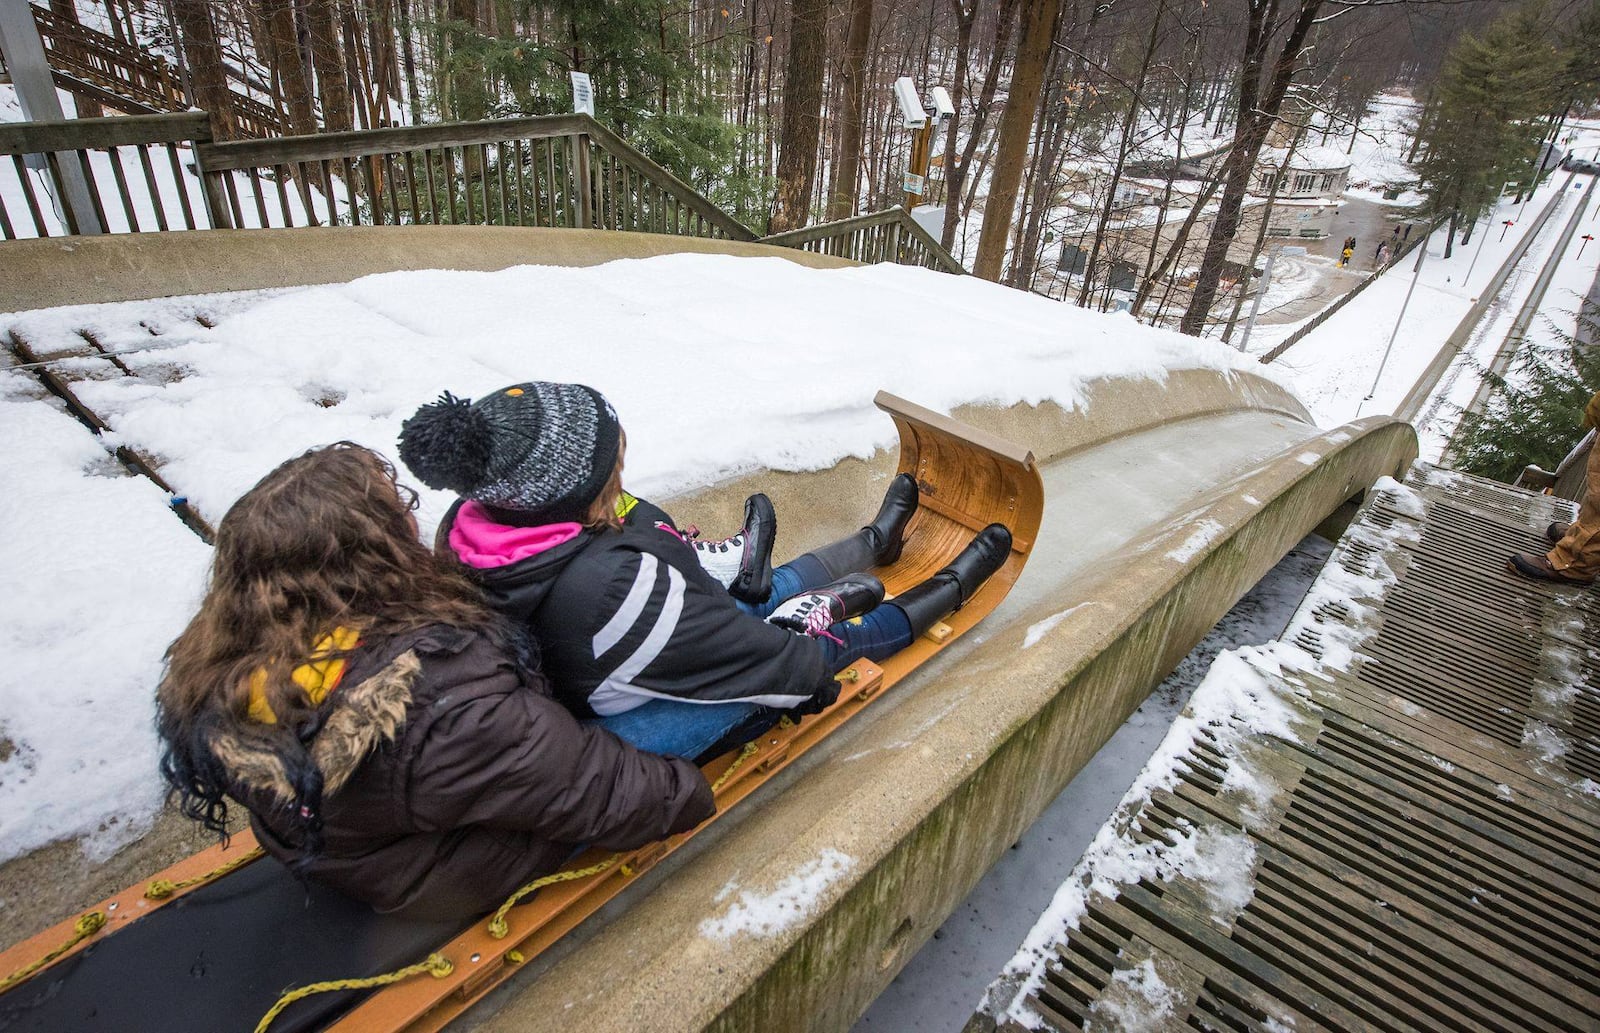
(1420, 852)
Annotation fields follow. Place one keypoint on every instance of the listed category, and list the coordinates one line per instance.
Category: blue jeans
(691, 729)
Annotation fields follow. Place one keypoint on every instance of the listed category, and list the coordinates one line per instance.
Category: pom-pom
(447, 444)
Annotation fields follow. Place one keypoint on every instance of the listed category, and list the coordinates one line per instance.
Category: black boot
(947, 591)
(878, 544)
(814, 612)
(743, 563)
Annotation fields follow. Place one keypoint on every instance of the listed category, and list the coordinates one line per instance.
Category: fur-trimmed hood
(439, 776)
(356, 720)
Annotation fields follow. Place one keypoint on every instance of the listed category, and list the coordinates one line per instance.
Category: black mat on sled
(218, 958)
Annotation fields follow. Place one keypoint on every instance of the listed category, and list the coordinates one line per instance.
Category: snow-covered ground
(1334, 368)
(717, 366)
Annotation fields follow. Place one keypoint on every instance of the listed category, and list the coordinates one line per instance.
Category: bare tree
(1016, 124)
(1263, 82)
(802, 114)
(847, 164)
(293, 82)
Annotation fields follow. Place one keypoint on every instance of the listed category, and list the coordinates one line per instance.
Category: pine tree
(1533, 417)
(1486, 127)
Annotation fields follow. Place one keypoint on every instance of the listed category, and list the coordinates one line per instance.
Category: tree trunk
(1016, 125)
(408, 63)
(203, 55)
(847, 161)
(958, 174)
(292, 78)
(1135, 102)
(958, 91)
(1257, 110)
(326, 58)
(802, 114)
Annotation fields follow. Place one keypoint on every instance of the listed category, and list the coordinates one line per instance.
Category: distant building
(1310, 187)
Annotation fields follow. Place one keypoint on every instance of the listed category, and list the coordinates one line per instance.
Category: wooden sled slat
(967, 480)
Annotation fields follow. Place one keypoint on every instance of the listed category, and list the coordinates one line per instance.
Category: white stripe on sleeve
(631, 608)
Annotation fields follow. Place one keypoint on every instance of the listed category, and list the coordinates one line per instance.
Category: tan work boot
(1538, 568)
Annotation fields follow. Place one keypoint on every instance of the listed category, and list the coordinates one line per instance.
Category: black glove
(819, 701)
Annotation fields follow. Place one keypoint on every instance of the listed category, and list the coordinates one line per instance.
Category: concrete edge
(45, 273)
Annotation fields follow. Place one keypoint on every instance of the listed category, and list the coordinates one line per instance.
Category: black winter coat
(451, 778)
(627, 615)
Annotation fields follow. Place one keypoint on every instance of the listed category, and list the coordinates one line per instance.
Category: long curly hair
(326, 540)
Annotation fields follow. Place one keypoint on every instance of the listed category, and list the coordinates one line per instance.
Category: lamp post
(1416, 273)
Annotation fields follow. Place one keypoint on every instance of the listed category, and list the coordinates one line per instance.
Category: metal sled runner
(215, 941)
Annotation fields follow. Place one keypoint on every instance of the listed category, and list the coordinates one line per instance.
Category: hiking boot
(743, 563)
(948, 590)
(814, 612)
(1538, 568)
(879, 543)
(1557, 531)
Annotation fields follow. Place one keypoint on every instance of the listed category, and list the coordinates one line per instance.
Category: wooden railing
(549, 170)
(131, 165)
(129, 79)
(887, 236)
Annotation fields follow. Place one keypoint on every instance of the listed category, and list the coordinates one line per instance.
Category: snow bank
(717, 366)
(100, 577)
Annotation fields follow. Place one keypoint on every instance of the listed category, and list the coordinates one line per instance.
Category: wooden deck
(1421, 852)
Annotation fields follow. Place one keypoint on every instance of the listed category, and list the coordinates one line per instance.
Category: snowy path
(1333, 368)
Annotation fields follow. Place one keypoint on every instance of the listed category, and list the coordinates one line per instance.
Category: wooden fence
(127, 78)
(887, 236)
(551, 170)
(150, 186)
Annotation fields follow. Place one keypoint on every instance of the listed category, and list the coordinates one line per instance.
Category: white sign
(582, 94)
(914, 183)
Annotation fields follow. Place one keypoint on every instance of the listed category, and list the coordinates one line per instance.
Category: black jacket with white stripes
(624, 616)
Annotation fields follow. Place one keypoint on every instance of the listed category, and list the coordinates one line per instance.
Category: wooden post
(585, 180)
(36, 92)
(921, 156)
(211, 190)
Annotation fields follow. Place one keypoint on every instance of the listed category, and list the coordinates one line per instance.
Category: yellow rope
(738, 762)
(498, 928)
(86, 926)
(160, 889)
(437, 964)
(497, 923)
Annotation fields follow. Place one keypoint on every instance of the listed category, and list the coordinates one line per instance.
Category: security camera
(905, 94)
(943, 110)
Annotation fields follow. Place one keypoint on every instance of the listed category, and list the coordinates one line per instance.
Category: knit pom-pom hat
(539, 450)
